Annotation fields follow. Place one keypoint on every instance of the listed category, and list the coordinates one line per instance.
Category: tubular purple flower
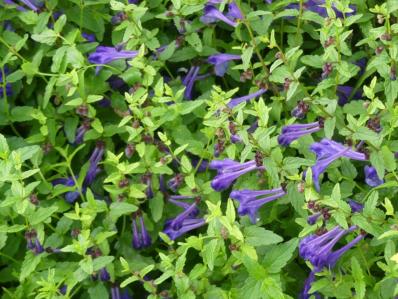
(236, 138)
(307, 286)
(355, 206)
(70, 196)
(85, 126)
(88, 37)
(252, 200)
(221, 61)
(141, 239)
(31, 4)
(344, 93)
(228, 171)
(185, 221)
(294, 132)
(236, 101)
(311, 220)
(104, 275)
(175, 182)
(317, 7)
(105, 55)
(371, 177)
(234, 11)
(327, 147)
(212, 14)
(189, 81)
(95, 158)
(318, 249)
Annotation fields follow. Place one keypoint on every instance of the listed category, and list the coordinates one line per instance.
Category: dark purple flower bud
(236, 101)
(362, 65)
(104, 275)
(326, 70)
(189, 81)
(175, 182)
(82, 110)
(147, 179)
(236, 138)
(234, 12)
(393, 73)
(253, 127)
(212, 14)
(7, 25)
(344, 92)
(105, 55)
(374, 124)
(228, 171)
(129, 150)
(85, 126)
(268, 1)
(250, 201)
(328, 151)
(293, 132)
(38, 248)
(371, 177)
(88, 37)
(118, 18)
(184, 222)
(162, 184)
(62, 290)
(221, 61)
(311, 220)
(355, 206)
(300, 111)
(141, 238)
(379, 50)
(134, 1)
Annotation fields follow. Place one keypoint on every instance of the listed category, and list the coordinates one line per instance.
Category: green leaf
(101, 262)
(47, 36)
(258, 236)
(360, 285)
(156, 205)
(42, 214)
(29, 265)
(194, 40)
(278, 255)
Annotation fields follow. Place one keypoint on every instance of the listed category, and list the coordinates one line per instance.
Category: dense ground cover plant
(198, 149)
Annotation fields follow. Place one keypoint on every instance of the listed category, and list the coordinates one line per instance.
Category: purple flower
(62, 290)
(344, 93)
(85, 126)
(212, 15)
(141, 239)
(203, 163)
(252, 200)
(371, 177)
(355, 206)
(307, 286)
(234, 11)
(311, 220)
(300, 111)
(221, 61)
(147, 180)
(70, 196)
(95, 158)
(317, 7)
(162, 184)
(328, 151)
(294, 132)
(268, 1)
(31, 4)
(236, 101)
(175, 182)
(88, 37)
(115, 292)
(133, 1)
(228, 171)
(189, 81)
(8, 89)
(184, 222)
(235, 138)
(319, 251)
(104, 275)
(105, 55)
